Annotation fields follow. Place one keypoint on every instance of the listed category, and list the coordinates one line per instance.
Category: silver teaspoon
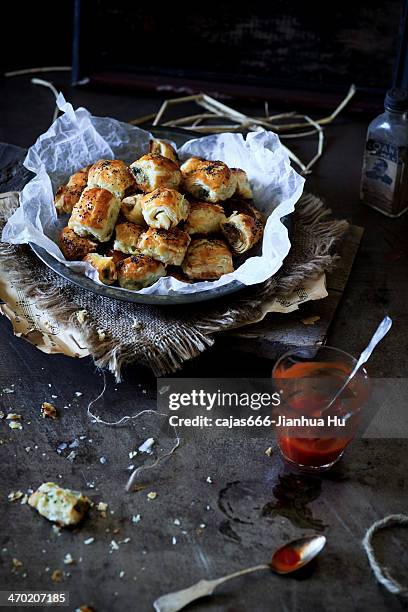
(286, 559)
(383, 329)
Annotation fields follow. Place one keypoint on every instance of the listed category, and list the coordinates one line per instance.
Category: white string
(382, 573)
(54, 91)
(13, 73)
(97, 419)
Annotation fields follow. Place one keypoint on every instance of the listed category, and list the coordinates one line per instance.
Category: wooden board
(278, 332)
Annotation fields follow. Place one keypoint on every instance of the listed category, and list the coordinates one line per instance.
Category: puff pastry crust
(95, 214)
(113, 175)
(207, 259)
(139, 271)
(68, 195)
(152, 171)
(190, 165)
(205, 218)
(167, 246)
(211, 181)
(242, 232)
(242, 186)
(105, 266)
(73, 247)
(164, 208)
(160, 147)
(131, 209)
(62, 506)
(127, 237)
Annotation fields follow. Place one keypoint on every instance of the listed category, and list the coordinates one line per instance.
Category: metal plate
(179, 137)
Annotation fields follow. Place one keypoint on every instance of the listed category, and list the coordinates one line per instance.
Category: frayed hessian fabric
(165, 337)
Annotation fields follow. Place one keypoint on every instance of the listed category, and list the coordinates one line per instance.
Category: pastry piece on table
(204, 218)
(73, 247)
(113, 175)
(207, 259)
(242, 232)
(68, 195)
(61, 506)
(167, 246)
(127, 236)
(139, 271)
(105, 266)
(152, 171)
(131, 209)
(210, 181)
(242, 186)
(160, 147)
(164, 208)
(95, 214)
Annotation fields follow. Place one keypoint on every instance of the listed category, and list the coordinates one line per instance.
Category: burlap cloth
(116, 333)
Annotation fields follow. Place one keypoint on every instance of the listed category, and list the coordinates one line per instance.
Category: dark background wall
(283, 43)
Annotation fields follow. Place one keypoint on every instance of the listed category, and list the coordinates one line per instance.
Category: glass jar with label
(384, 180)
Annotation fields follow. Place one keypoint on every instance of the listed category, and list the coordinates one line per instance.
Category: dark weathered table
(369, 483)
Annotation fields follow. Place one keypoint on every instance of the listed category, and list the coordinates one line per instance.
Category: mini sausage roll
(95, 214)
(73, 247)
(117, 256)
(207, 259)
(131, 209)
(139, 271)
(113, 175)
(168, 246)
(152, 171)
(242, 186)
(242, 232)
(62, 506)
(160, 147)
(105, 266)
(164, 208)
(127, 237)
(190, 165)
(68, 195)
(211, 181)
(205, 218)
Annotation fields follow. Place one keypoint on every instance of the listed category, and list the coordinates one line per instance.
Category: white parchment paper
(77, 139)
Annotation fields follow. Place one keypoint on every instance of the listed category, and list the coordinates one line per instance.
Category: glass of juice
(310, 437)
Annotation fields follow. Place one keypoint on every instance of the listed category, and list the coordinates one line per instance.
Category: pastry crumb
(310, 320)
(152, 495)
(81, 316)
(48, 410)
(269, 452)
(56, 575)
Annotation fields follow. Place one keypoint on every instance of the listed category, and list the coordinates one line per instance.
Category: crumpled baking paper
(77, 139)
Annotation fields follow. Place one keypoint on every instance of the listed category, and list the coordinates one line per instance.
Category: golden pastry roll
(204, 218)
(68, 195)
(242, 186)
(95, 214)
(127, 236)
(207, 259)
(62, 506)
(164, 208)
(211, 181)
(131, 209)
(242, 232)
(167, 246)
(113, 175)
(105, 266)
(190, 165)
(161, 147)
(152, 171)
(117, 256)
(139, 271)
(73, 247)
